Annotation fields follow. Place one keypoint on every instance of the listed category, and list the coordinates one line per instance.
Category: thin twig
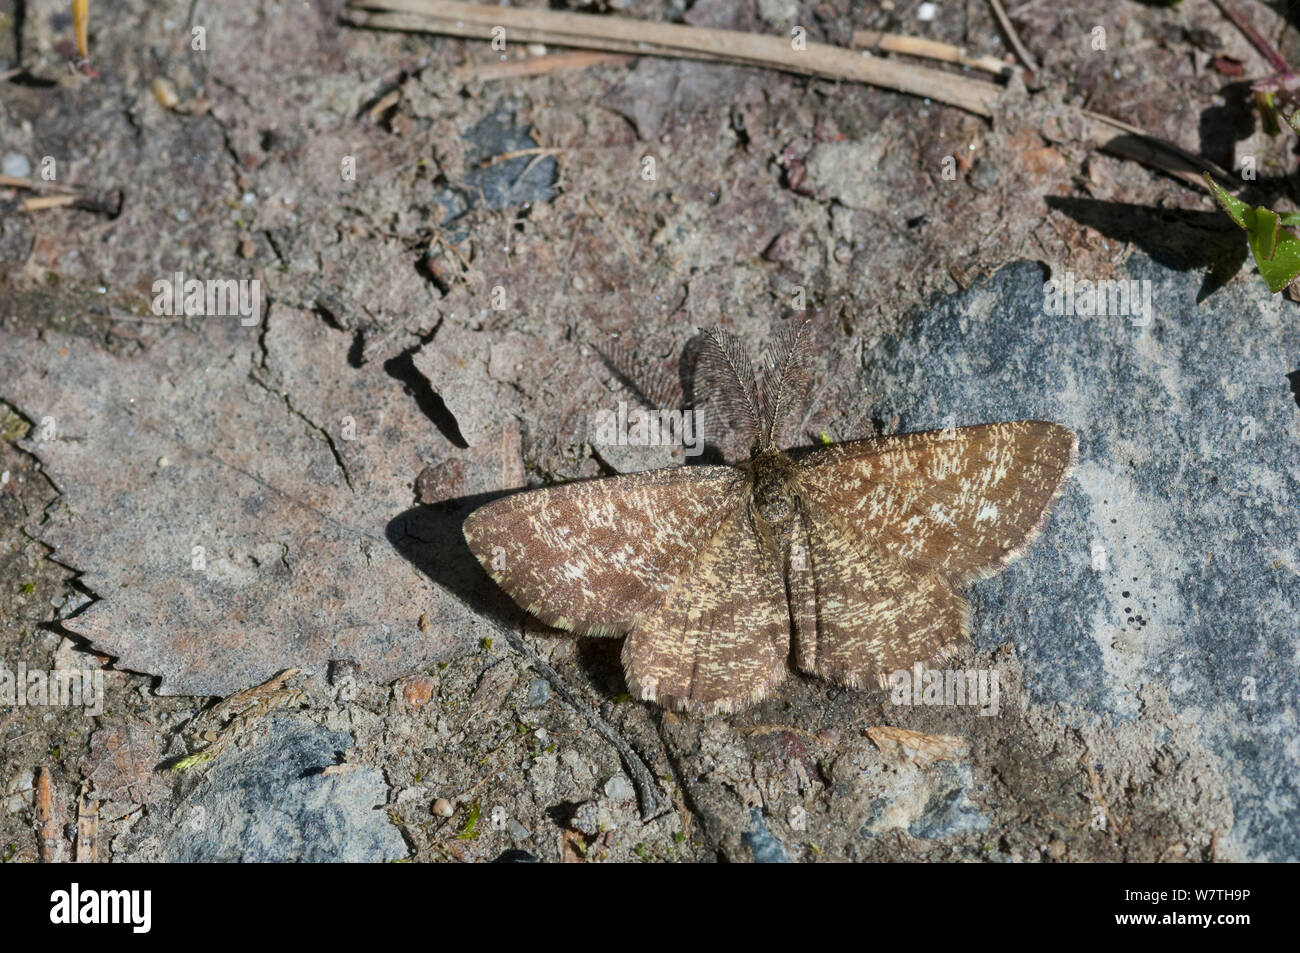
(87, 826)
(1129, 142)
(39, 203)
(1012, 37)
(647, 791)
(624, 35)
(1257, 39)
(730, 46)
(33, 185)
(519, 153)
(929, 49)
(47, 819)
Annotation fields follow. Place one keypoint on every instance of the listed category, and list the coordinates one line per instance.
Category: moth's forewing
(595, 555)
(963, 502)
(861, 612)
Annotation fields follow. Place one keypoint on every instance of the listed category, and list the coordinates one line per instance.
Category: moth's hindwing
(721, 638)
(862, 612)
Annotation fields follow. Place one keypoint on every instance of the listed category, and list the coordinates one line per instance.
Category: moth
(844, 561)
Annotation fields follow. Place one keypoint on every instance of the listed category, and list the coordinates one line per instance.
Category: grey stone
(592, 818)
(271, 802)
(778, 11)
(950, 812)
(766, 848)
(1172, 556)
(539, 693)
(617, 788)
(510, 182)
(15, 163)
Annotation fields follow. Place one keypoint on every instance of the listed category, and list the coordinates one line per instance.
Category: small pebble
(344, 668)
(983, 175)
(539, 693)
(618, 789)
(442, 808)
(165, 93)
(16, 164)
(587, 819)
(418, 690)
(798, 818)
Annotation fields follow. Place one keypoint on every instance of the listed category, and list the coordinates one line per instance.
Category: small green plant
(194, 760)
(469, 827)
(1275, 247)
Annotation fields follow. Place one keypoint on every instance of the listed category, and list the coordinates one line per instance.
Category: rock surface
(272, 802)
(1174, 554)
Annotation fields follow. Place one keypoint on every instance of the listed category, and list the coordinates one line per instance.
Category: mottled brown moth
(843, 561)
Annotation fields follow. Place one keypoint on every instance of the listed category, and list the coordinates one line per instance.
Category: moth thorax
(775, 498)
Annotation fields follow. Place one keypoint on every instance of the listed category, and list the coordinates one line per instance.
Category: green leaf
(1264, 233)
(1234, 206)
(469, 827)
(1275, 247)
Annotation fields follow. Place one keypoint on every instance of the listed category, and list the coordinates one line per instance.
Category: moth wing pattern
(861, 612)
(721, 639)
(593, 556)
(962, 502)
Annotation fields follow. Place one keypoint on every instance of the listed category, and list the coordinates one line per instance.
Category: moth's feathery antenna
(788, 367)
(730, 384)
